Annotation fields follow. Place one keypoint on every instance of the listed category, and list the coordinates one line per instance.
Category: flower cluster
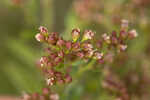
(81, 46)
(118, 40)
(47, 94)
(58, 50)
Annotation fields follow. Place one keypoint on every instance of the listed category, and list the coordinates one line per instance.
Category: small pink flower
(50, 81)
(123, 34)
(88, 34)
(98, 55)
(51, 39)
(68, 45)
(80, 54)
(43, 30)
(132, 34)
(60, 42)
(122, 47)
(39, 37)
(106, 38)
(75, 34)
(76, 46)
(89, 53)
(43, 60)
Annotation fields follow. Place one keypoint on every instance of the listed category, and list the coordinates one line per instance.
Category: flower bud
(53, 56)
(61, 54)
(51, 40)
(80, 54)
(106, 38)
(87, 46)
(76, 46)
(132, 34)
(114, 33)
(89, 53)
(122, 47)
(44, 60)
(123, 34)
(50, 81)
(88, 35)
(75, 34)
(68, 45)
(51, 72)
(43, 30)
(60, 42)
(39, 37)
(54, 96)
(98, 55)
(114, 40)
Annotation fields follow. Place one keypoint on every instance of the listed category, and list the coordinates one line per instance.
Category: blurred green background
(19, 51)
